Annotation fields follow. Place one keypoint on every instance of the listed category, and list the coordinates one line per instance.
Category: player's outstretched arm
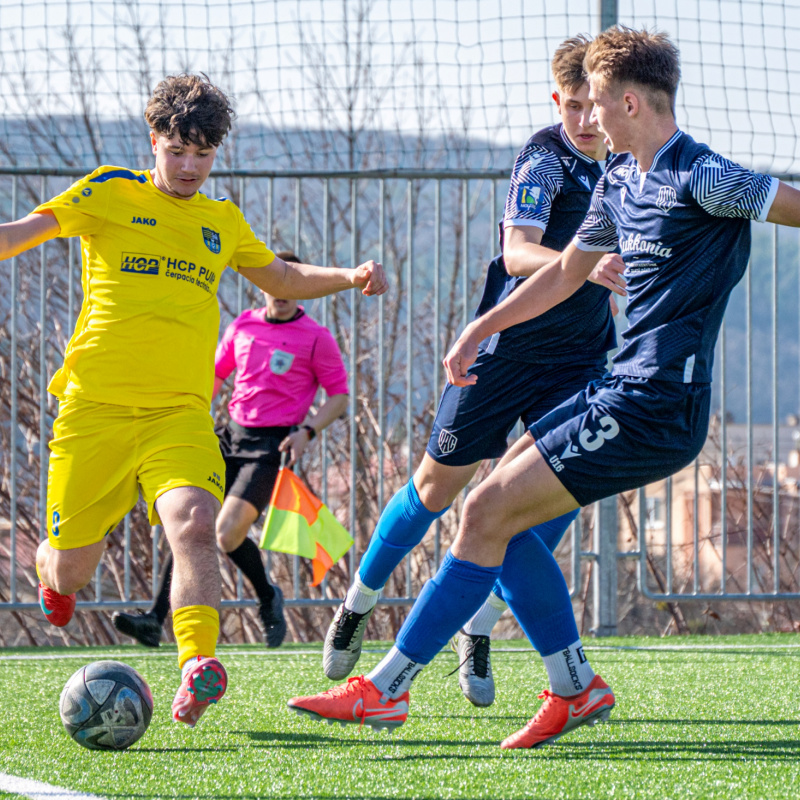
(548, 287)
(785, 208)
(305, 281)
(23, 234)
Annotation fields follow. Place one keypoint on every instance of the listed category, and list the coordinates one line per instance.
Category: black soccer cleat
(142, 626)
(273, 619)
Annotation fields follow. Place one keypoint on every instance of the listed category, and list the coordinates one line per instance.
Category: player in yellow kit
(135, 387)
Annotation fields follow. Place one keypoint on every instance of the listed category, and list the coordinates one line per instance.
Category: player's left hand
(461, 357)
(370, 278)
(296, 443)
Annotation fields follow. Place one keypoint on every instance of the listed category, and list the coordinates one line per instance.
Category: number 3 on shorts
(593, 441)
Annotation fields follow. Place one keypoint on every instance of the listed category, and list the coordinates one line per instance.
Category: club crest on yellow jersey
(211, 238)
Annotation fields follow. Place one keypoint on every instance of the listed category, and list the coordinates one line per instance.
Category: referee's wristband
(312, 433)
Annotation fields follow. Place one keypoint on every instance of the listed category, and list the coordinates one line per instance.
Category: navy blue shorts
(621, 433)
(473, 422)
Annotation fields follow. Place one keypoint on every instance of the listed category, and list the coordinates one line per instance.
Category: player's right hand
(370, 278)
(608, 272)
(461, 357)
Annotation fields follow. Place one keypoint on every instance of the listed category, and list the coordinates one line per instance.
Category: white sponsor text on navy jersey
(683, 230)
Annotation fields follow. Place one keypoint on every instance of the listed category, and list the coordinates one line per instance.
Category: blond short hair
(567, 63)
(648, 59)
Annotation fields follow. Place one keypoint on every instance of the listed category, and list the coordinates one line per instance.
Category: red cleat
(559, 715)
(202, 685)
(357, 701)
(58, 608)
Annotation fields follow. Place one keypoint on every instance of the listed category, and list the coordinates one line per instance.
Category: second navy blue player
(522, 373)
(680, 215)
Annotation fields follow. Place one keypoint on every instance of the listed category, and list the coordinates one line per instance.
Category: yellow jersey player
(135, 387)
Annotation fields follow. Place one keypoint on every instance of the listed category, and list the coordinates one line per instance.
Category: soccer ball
(106, 705)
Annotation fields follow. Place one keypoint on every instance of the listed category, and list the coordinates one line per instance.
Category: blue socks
(551, 533)
(536, 592)
(402, 526)
(445, 603)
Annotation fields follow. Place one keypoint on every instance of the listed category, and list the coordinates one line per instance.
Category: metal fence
(727, 528)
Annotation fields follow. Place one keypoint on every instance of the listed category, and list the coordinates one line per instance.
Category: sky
(476, 70)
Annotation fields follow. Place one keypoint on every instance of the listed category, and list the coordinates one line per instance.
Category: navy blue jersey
(683, 230)
(551, 188)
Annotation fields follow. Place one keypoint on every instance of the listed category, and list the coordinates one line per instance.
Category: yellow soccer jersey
(151, 268)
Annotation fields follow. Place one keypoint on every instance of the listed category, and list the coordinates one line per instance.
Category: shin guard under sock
(196, 630)
(537, 594)
(401, 527)
(445, 603)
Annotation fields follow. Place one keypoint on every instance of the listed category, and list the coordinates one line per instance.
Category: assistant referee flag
(301, 524)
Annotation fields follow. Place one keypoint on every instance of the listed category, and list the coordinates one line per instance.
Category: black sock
(248, 558)
(160, 605)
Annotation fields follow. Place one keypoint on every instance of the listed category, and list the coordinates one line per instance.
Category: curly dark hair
(192, 107)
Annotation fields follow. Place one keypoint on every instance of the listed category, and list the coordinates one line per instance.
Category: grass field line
(736, 648)
(36, 790)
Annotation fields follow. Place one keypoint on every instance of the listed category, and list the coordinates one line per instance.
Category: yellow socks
(196, 630)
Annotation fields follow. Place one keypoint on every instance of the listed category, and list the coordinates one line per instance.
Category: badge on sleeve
(529, 197)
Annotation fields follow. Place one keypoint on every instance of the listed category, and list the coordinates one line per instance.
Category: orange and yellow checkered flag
(299, 523)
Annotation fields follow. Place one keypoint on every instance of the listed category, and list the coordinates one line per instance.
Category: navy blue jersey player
(680, 215)
(522, 373)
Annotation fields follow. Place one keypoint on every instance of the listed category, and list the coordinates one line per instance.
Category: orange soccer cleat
(58, 608)
(559, 715)
(202, 685)
(357, 701)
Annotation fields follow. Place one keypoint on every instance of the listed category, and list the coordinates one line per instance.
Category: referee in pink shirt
(281, 357)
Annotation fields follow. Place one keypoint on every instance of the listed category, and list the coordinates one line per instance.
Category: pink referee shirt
(279, 367)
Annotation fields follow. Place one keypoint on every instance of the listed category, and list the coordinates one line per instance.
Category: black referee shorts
(252, 461)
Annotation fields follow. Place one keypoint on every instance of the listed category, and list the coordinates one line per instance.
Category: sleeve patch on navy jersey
(530, 197)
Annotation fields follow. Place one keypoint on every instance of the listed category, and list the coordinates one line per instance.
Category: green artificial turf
(695, 718)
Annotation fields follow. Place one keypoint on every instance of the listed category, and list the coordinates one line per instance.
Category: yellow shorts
(101, 454)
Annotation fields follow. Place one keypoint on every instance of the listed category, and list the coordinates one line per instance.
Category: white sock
(360, 598)
(569, 670)
(486, 617)
(189, 663)
(394, 673)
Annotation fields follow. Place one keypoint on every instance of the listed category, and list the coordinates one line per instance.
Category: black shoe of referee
(273, 619)
(143, 626)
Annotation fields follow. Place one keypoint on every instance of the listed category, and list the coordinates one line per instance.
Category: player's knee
(480, 518)
(229, 538)
(195, 527)
(435, 498)
(67, 571)
(68, 583)
(438, 485)
(69, 575)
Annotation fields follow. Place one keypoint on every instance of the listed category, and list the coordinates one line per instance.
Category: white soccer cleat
(475, 668)
(343, 642)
